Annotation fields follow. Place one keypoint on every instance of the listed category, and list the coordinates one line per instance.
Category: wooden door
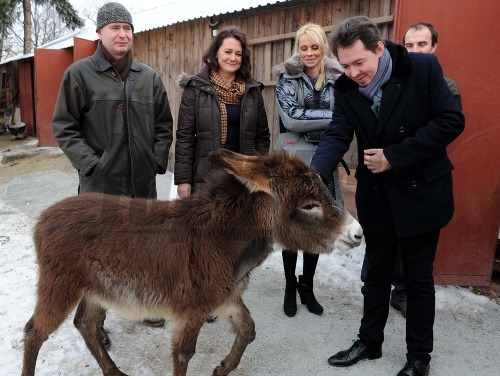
(26, 97)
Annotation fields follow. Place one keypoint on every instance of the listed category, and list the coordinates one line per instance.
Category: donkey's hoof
(115, 373)
(219, 372)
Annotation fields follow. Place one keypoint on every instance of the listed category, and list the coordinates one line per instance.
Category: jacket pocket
(433, 170)
(101, 165)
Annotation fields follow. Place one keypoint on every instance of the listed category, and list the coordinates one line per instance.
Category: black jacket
(418, 118)
(198, 126)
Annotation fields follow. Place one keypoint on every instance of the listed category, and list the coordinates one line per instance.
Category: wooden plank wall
(178, 48)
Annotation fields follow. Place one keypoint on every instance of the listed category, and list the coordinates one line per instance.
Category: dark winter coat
(419, 118)
(117, 136)
(198, 126)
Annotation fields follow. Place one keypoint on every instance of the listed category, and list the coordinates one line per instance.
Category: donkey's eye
(311, 210)
(310, 207)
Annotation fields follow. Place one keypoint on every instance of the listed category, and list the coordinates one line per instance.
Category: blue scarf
(373, 91)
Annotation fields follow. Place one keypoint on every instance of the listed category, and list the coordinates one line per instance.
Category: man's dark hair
(421, 25)
(210, 55)
(352, 29)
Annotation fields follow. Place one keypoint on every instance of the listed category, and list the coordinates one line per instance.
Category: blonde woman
(304, 94)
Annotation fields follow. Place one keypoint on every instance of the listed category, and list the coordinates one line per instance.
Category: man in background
(423, 37)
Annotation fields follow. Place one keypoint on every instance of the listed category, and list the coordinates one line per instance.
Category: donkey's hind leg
(33, 341)
(88, 319)
(186, 329)
(55, 302)
(244, 328)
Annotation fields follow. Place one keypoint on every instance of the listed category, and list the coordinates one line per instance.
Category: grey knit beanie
(113, 12)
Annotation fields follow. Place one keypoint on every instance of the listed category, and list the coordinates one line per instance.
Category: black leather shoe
(400, 306)
(415, 368)
(357, 352)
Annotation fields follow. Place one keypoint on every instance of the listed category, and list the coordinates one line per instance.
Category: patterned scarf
(229, 95)
(373, 91)
(122, 66)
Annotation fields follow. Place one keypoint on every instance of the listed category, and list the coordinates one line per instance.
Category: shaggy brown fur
(184, 259)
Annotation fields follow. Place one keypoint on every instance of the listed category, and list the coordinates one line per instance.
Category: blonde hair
(316, 34)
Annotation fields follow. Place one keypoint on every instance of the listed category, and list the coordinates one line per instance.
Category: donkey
(184, 259)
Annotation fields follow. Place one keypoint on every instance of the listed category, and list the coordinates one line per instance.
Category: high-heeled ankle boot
(290, 302)
(307, 297)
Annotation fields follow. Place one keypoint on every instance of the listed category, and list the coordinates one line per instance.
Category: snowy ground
(467, 330)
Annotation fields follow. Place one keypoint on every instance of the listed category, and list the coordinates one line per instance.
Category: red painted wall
(468, 48)
(49, 69)
(83, 48)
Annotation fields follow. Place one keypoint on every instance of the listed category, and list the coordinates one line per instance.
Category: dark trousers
(417, 255)
(398, 293)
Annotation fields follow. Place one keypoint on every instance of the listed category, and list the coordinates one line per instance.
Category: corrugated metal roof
(185, 10)
(173, 12)
(17, 57)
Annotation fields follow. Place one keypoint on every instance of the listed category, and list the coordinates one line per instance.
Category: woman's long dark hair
(209, 57)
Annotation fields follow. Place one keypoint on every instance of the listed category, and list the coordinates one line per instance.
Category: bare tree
(47, 26)
(27, 26)
(6, 20)
(63, 9)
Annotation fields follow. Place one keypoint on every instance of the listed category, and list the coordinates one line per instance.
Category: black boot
(290, 302)
(306, 294)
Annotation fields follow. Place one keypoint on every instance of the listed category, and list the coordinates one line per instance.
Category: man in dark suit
(419, 37)
(404, 117)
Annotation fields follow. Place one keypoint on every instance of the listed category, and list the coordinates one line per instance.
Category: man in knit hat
(112, 118)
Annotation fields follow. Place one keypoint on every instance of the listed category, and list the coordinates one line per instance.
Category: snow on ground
(467, 331)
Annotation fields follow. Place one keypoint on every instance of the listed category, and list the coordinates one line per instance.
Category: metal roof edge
(17, 57)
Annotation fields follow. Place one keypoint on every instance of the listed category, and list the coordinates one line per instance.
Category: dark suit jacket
(418, 118)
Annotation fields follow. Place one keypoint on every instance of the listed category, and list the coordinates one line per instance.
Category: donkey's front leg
(185, 333)
(244, 328)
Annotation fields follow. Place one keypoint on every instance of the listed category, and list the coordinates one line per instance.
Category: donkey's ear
(250, 170)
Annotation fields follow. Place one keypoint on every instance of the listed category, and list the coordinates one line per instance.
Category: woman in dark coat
(404, 116)
(221, 107)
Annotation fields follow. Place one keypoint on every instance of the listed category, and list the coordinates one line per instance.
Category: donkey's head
(305, 216)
